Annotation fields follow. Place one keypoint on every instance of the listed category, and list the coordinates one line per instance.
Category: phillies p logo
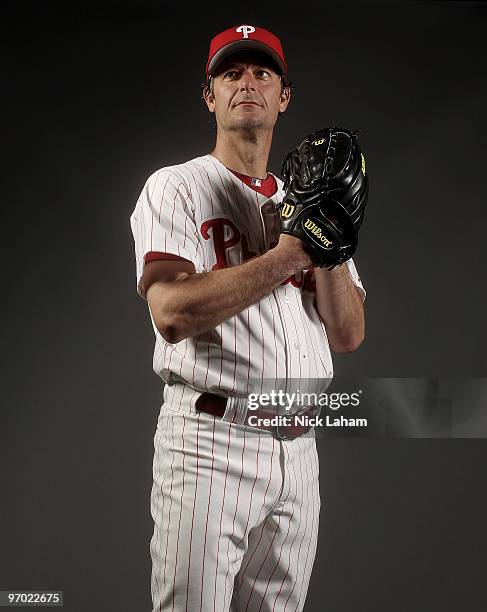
(246, 30)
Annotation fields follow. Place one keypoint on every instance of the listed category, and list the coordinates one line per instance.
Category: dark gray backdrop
(99, 96)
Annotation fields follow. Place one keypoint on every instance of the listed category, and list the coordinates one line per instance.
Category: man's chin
(251, 123)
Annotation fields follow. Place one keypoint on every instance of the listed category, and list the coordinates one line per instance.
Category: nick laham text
(305, 421)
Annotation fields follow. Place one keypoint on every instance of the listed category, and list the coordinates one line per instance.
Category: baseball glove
(326, 193)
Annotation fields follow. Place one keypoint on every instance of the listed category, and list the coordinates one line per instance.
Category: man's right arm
(184, 303)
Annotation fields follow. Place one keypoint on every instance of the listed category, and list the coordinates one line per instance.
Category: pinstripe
(196, 350)
(186, 344)
(262, 346)
(259, 201)
(304, 530)
(249, 206)
(162, 198)
(309, 558)
(172, 349)
(298, 355)
(308, 342)
(221, 515)
(314, 530)
(286, 332)
(179, 522)
(246, 529)
(232, 180)
(255, 549)
(200, 169)
(248, 344)
(223, 185)
(291, 546)
(159, 493)
(235, 353)
(283, 502)
(211, 187)
(250, 501)
(301, 568)
(190, 195)
(244, 569)
(311, 344)
(170, 507)
(195, 184)
(158, 526)
(234, 517)
(207, 365)
(157, 349)
(173, 210)
(315, 343)
(221, 353)
(229, 207)
(273, 335)
(208, 512)
(194, 507)
(289, 521)
(263, 563)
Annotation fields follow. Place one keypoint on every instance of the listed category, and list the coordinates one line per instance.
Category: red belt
(216, 406)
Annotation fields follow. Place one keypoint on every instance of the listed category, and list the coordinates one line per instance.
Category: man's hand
(296, 252)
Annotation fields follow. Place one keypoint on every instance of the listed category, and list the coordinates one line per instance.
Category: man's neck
(248, 156)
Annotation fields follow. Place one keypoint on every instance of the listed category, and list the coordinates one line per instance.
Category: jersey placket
(279, 305)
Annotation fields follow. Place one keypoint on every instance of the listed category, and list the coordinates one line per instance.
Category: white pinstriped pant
(235, 513)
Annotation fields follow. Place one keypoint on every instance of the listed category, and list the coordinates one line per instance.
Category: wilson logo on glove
(287, 210)
(318, 233)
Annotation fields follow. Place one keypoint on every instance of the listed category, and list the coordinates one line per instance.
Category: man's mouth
(247, 102)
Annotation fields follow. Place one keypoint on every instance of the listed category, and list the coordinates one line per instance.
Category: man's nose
(247, 80)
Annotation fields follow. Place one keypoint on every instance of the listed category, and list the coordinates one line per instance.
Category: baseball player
(236, 306)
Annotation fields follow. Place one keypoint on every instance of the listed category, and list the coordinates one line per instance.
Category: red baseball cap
(244, 37)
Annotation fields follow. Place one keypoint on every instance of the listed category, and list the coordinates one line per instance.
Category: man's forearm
(201, 301)
(340, 307)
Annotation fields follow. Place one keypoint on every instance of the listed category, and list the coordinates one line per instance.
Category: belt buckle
(311, 411)
(279, 436)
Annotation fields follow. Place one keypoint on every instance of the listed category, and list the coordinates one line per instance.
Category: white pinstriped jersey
(202, 212)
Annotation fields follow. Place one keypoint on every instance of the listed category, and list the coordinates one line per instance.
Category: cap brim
(244, 45)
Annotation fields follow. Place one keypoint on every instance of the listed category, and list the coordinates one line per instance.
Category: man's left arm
(340, 306)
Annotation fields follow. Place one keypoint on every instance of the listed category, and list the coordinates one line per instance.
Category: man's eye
(263, 73)
(230, 73)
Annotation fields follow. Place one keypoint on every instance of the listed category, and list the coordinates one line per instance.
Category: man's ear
(210, 102)
(284, 99)
(209, 98)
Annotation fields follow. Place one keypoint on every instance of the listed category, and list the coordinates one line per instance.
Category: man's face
(247, 93)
